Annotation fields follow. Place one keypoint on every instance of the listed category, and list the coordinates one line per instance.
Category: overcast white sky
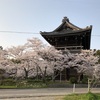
(45, 15)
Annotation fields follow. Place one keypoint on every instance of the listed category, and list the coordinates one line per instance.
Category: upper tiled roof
(66, 28)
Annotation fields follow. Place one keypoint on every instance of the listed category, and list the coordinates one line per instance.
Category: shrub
(85, 80)
(88, 96)
(73, 80)
(8, 82)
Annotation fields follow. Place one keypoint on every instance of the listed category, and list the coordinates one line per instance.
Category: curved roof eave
(67, 32)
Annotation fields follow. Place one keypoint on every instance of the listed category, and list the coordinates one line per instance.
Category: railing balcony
(70, 47)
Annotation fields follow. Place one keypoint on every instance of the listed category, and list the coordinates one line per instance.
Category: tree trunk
(60, 76)
(26, 73)
(89, 85)
(79, 77)
(37, 76)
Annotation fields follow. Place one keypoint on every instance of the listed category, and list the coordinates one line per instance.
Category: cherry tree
(28, 63)
(3, 63)
(15, 54)
(56, 61)
(35, 44)
(84, 63)
(25, 57)
(97, 71)
(3, 59)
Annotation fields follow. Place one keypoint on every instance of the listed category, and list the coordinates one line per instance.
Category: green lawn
(88, 96)
(21, 86)
(7, 87)
(29, 83)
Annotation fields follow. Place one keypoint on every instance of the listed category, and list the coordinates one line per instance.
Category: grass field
(88, 96)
